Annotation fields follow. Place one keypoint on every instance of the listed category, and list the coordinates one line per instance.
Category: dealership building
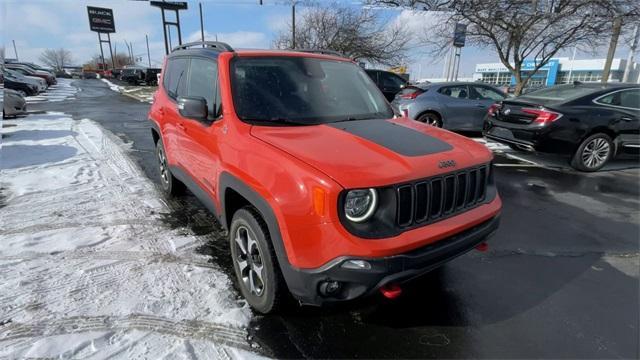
(556, 71)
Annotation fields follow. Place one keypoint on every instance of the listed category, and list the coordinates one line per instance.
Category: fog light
(356, 265)
(328, 288)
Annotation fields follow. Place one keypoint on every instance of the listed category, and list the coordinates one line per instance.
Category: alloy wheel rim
(163, 167)
(249, 261)
(595, 153)
(433, 121)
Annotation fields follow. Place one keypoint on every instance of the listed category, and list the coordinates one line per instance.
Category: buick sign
(101, 19)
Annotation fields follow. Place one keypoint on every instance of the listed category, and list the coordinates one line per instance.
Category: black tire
(170, 184)
(600, 144)
(431, 118)
(273, 291)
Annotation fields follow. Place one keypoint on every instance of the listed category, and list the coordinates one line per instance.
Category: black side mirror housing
(193, 107)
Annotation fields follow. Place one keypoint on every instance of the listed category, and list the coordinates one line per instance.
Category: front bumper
(305, 285)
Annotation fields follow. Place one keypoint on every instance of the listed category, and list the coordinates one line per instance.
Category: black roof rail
(321, 51)
(218, 45)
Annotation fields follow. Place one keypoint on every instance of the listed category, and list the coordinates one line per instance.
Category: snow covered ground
(140, 93)
(61, 91)
(87, 267)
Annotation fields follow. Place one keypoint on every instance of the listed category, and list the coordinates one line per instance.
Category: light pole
(634, 45)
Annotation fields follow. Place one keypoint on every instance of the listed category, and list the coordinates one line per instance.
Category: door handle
(182, 127)
(626, 118)
(161, 111)
(480, 105)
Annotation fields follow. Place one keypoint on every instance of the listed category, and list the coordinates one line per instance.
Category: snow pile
(88, 268)
(63, 90)
(113, 86)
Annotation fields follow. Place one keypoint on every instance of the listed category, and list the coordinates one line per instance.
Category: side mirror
(193, 107)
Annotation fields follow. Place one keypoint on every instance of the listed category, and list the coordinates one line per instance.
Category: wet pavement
(560, 278)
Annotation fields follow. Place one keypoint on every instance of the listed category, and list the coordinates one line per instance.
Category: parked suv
(325, 194)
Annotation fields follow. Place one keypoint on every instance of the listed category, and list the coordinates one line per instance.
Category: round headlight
(359, 205)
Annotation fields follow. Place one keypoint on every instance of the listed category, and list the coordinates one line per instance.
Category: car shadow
(19, 156)
(562, 163)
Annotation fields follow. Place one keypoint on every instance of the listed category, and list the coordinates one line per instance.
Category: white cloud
(65, 24)
(237, 39)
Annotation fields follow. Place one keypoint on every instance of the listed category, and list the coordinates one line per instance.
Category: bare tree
(56, 58)
(120, 60)
(356, 33)
(522, 29)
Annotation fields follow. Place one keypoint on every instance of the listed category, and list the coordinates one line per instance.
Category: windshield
(304, 91)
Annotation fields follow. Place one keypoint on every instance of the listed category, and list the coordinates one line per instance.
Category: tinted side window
(486, 93)
(174, 80)
(373, 75)
(391, 81)
(630, 98)
(459, 92)
(203, 81)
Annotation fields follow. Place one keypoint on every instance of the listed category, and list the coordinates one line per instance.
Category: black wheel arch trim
(155, 127)
(292, 275)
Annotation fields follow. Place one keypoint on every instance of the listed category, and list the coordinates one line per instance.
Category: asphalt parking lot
(560, 278)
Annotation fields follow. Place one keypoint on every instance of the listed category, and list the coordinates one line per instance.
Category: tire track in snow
(186, 329)
(143, 256)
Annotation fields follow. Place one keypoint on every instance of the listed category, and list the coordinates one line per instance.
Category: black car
(389, 83)
(13, 83)
(590, 122)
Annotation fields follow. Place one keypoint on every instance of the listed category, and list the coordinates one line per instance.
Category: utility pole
(15, 50)
(634, 45)
(148, 53)
(293, 24)
(573, 58)
(615, 35)
(201, 24)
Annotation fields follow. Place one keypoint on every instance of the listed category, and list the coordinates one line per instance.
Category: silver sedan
(454, 105)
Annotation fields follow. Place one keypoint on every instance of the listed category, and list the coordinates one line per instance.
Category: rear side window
(203, 82)
(175, 77)
(391, 81)
(459, 92)
(485, 93)
(625, 98)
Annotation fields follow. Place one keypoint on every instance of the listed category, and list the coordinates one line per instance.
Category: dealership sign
(101, 19)
(459, 35)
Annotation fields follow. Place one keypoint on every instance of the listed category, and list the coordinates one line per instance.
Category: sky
(36, 25)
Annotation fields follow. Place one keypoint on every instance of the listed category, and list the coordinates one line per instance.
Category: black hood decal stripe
(397, 138)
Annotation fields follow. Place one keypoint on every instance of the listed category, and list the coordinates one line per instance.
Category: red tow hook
(482, 247)
(391, 291)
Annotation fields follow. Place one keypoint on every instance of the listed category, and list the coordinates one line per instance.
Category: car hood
(369, 153)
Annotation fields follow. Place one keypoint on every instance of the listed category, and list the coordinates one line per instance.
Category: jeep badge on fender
(303, 180)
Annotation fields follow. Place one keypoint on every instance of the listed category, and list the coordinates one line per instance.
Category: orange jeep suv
(325, 192)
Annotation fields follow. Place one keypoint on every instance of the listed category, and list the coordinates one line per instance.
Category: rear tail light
(411, 96)
(493, 109)
(543, 116)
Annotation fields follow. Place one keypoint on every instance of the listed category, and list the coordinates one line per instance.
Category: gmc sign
(101, 20)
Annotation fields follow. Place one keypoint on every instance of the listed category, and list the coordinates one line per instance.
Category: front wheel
(593, 153)
(255, 262)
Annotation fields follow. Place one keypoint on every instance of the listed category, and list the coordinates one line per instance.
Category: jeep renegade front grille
(440, 197)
